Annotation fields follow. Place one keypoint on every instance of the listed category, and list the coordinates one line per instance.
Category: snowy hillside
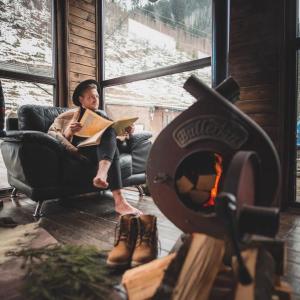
(26, 46)
(130, 47)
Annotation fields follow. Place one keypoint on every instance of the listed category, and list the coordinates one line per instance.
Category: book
(93, 127)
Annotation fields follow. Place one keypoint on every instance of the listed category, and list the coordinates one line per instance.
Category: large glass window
(155, 101)
(298, 108)
(18, 93)
(140, 35)
(298, 131)
(26, 39)
(150, 49)
(298, 105)
(27, 69)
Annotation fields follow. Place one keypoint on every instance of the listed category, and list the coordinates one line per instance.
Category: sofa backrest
(37, 117)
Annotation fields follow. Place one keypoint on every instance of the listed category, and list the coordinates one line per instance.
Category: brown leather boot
(120, 255)
(146, 243)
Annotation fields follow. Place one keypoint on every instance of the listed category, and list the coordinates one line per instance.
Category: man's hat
(81, 87)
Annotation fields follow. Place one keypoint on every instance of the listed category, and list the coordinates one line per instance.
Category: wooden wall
(256, 61)
(81, 42)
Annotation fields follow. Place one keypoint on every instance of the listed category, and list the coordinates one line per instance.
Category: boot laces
(121, 235)
(145, 234)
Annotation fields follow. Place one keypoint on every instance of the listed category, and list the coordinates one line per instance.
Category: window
(150, 49)
(27, 56)
(140, 36)
(298, 104)
(156, 101)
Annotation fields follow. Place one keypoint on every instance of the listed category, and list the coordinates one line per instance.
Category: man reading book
(105, 154)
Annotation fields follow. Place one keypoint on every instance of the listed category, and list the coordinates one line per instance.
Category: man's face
(90, 99)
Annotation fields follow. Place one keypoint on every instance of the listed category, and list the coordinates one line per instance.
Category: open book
(93, 127)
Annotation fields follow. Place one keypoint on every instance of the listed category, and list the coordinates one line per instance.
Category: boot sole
(117, 265)
(137, 263)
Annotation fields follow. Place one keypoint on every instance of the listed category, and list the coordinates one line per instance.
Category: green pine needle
(65, 272)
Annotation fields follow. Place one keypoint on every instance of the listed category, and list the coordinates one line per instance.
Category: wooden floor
(91, 220)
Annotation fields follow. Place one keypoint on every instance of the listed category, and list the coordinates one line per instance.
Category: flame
(214, 190)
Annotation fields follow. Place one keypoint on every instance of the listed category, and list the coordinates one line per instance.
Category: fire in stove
(197, 180)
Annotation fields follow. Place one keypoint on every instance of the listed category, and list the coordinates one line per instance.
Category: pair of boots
(136, 241)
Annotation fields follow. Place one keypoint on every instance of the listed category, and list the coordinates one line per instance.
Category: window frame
(220, 42)
(288, 105)
(59, 31)
(293, 48)
(56, 36)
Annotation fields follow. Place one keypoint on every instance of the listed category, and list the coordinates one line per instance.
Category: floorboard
(91, 219)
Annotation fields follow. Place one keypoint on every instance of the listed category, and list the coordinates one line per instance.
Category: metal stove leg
(38, 209)
(14, 197)
(14, 193)
(140, 189)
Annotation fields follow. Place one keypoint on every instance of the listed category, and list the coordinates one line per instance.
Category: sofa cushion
(125, 165)
(77, 171)
(37, 117)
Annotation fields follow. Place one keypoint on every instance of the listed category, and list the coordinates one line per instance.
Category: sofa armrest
(32, 157)
(136, 139)
(38, 137)
(12, 124)
(139, 145)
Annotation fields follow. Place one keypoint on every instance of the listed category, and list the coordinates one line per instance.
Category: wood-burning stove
(213, 147)
(214, 171)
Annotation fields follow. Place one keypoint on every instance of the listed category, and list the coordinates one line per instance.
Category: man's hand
(129, 129)
(72, 129)
(75, 127)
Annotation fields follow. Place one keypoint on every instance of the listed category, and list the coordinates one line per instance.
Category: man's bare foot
(100, 182)
(124, 208)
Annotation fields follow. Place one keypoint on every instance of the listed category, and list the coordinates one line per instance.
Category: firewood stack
(218, 186)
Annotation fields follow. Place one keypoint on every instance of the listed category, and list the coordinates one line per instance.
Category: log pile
(197, 271)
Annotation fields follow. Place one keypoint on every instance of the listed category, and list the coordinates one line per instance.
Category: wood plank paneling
(260, 92)
(77, 40)
(84, 5)
(255, 60)
(264, 119)
(82, 69)
(82, 42)
(256, 106)
(74, 84)
(254, 54)
(82, 51)
(76, 30)
(78, 76)
(78, 12)
(79, 59)
(82, 23)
